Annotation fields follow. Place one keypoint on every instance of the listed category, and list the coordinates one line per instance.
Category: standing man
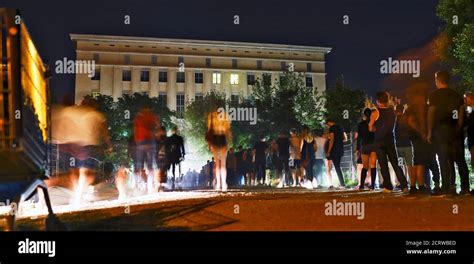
(382, 122)
(445, 122)
(336, 149)
(176, 154)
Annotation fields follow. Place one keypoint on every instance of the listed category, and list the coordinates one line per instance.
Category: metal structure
(24, 115)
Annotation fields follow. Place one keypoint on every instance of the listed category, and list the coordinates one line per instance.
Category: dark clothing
(217, 140)
(176, 148)
(308, 150)
(446, 101)
(162, 153)
(384, 126)
(384, 150)
(447, 139)
(283, 144)
(402, 133)
(338, 145)
(308, 153)
(336, 161)
(260, 148)
(364, 136)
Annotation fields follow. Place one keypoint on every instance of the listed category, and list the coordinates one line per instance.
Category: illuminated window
(234, 78)
(216, 78)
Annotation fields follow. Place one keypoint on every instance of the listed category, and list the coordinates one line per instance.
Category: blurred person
(218, 136)
(176, 153)
(366, 148)
(81, 132)
(319, 155)
(231, 168)
(445, 122)
(260, 159)
(163, 149)
(295, 157)
(307, 157)
(145, 125)
(335, 150)
(382, 122)
(240, 165)
(416, 115)
(403, 142)
(283, 157)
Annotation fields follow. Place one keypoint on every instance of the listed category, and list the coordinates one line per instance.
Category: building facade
(180, 71)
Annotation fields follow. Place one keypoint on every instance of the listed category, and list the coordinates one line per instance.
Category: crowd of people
(420, 143)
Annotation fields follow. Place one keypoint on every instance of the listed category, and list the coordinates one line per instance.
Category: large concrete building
(180, 70)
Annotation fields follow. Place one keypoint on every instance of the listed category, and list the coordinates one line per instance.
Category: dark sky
(377, 30)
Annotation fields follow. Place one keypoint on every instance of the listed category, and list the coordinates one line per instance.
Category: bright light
(234, 78)
(216, 78)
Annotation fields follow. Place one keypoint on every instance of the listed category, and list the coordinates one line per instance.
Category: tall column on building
(189, 89)
(153, 84)
(243, 84)
(135, 85)
(106, 80)
(171, 89)
(117, 86)
(226, 87)
(207, 81)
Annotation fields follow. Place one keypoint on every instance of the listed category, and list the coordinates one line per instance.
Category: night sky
(377, 29)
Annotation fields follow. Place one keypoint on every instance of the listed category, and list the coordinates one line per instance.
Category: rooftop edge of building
(193, 42)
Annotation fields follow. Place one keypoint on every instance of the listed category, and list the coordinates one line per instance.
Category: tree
(345, 105)
(458, 44)
(120, 115)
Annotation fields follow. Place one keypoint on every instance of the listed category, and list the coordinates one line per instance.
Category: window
(198, 77)
(282, 79)
(250, 79)
(180, 60)
(234, 63)
(216, 78)
(126, 59)
(309, 81)
(234, 98)
(180, 77)
(96, 57)
(144, 76)
(154, 60)
(283, 66)
(163, 98)
(198, 97)
(208, 62)
(180, 104)
(96, 76)
(127, 75)
(234, 78)
(308, 67)
(259, 65)
(162, 76)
